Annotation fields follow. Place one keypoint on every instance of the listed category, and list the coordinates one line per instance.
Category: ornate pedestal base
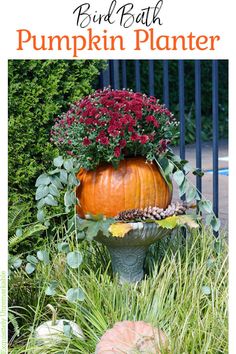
(128, 253)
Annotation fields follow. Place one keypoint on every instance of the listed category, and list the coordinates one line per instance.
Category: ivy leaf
(32, 259)
(183, 187)
(179, 177)
(19, 232)
(63, 247)
(68, 164)
(49, 200)
(74, 259)
(63, 176)
(205, 205)
(67, 329)
(30, 268)
(215, 223)
(67, 199)
(53, 190)
(58, 161)
(43, 256)
(41, 203)
(187, 167)
(190, 194)
(53, 172)
(41, 192)
(40, 216)
(75, 294)
(119, 229)
(206, 290)
(55, 180)
(42, 179)
(72, 180)
(51, 288)
(17, 263)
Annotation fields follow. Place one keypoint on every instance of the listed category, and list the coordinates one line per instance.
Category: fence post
(198, 121)
(151, 77)
(137, 76)
(166, 82)
(215, 135)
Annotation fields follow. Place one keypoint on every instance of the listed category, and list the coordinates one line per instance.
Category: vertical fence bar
(137, 75)
(105, 76)
(215, 135)
(151, 77)
(124, 74)
(181, 108)
(166, 82)
(198, 122)
(115, 77)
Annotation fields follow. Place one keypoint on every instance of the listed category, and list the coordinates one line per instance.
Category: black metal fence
(116, 76)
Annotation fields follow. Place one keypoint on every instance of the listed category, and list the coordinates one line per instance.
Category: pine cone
(152, 213)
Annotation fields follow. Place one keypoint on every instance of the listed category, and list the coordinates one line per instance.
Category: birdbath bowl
(128, 253)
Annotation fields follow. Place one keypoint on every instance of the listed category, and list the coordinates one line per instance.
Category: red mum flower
(117, 151)
(143, 139)
(104, 140)
(122, 143)
(86, 141)
(134, 137)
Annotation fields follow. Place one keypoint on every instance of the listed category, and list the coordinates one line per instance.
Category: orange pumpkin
(134, 184)
(133, 337)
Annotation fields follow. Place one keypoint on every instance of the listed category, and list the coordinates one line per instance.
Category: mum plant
(109, 126)
(112, 124)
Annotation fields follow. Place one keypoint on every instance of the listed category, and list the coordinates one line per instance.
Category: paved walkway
(207, 185)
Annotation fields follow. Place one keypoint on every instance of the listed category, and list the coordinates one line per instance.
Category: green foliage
(186, 295)
(38, 91)
(172, 166)
(55, 185)
(189, 81)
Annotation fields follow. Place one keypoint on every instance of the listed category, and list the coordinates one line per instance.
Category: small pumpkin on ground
(132, 337)
(54, 330)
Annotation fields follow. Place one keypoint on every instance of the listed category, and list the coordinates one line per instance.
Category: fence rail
(115, 76)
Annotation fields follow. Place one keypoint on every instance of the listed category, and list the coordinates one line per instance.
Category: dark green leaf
(198, 172)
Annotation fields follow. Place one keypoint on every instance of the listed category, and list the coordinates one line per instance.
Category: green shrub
(39, 90)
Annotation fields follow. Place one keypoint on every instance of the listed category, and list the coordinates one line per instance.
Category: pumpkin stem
(54, 314)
